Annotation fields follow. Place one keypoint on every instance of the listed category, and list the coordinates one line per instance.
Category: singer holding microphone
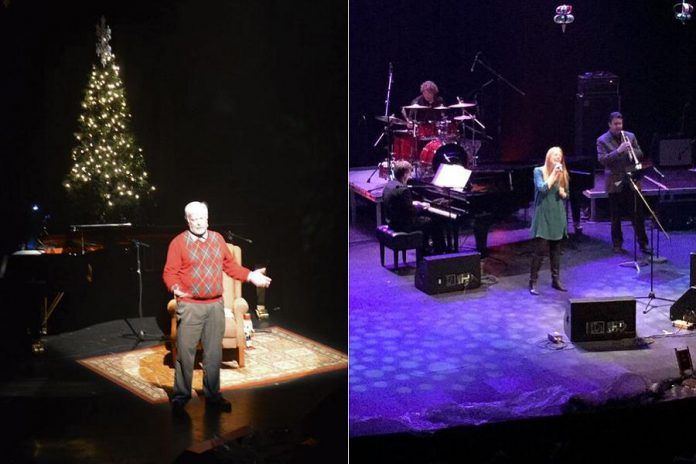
(618, 151)
(549, 224)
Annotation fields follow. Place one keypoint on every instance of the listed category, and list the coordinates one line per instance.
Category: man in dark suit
(401, 212)
(618, 151)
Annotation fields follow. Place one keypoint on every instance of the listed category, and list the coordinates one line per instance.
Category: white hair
(194, 207)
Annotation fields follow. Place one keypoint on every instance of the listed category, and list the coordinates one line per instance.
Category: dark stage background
(641, 42)
(240, 104)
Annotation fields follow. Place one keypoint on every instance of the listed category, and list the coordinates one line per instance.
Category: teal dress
(549, 221)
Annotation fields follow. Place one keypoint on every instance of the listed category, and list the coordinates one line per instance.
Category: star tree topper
(103, 47)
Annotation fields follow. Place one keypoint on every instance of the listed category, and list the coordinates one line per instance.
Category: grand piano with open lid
(493, 193)
(81, 277)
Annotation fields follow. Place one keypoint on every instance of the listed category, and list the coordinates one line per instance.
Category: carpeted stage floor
(437, 378)
(55, 410)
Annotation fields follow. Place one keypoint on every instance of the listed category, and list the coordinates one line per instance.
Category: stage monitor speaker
(448, 273)
(595, 319)
(693, 269)
(675, 152)
(685, 307)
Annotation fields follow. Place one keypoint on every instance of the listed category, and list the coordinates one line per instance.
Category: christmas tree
(108, 180)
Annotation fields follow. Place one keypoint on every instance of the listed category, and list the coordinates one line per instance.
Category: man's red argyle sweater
(196, 266)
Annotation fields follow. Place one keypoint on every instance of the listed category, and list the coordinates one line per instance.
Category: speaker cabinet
(591, 113)
(685, 307)
(594, 319)
(675, 152)
(448, 273)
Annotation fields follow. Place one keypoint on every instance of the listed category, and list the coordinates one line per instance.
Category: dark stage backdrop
(641, 42)
(240, 104)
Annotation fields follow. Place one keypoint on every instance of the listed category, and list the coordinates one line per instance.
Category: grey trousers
(204, 322)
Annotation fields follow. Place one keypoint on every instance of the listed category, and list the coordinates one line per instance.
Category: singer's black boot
(534, 273)
(556, 269)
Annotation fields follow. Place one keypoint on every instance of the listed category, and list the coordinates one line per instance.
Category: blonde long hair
(564, 179)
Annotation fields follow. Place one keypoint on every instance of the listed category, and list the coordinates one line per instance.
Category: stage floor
(425, 363)
(55, 410)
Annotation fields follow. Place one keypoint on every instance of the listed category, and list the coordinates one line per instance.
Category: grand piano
(81, 277)
(494, 192)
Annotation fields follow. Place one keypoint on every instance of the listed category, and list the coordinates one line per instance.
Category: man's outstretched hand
(259, 278)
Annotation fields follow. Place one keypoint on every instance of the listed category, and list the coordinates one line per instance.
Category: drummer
(428, 98)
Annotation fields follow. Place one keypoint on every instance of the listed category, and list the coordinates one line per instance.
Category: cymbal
(415, 106)
(462, 105)
(391, 119)
(441, 107)
(464, 117)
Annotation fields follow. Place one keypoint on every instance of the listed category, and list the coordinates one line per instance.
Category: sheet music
(454, 176)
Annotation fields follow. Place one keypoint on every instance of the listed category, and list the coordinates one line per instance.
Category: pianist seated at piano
(403, 214)
(549, 224)
(618, 151)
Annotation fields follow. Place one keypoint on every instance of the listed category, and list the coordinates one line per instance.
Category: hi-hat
(441, 107)
(464, 117)
(415, 106)
(391, 119)
(462, 105)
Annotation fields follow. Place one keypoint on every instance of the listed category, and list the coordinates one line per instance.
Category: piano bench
(398, 241)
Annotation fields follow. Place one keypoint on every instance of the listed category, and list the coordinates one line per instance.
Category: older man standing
(196, 260)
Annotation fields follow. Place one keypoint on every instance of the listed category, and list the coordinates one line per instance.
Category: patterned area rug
(277, 355)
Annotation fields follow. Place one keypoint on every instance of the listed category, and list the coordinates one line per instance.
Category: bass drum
(449, 153)
(428, 152)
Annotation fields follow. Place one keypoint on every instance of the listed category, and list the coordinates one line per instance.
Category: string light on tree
(106, 159)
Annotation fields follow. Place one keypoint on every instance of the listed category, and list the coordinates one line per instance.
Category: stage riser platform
(677, 187)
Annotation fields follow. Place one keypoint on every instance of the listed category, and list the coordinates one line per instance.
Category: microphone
(473, 65)
(139, 243)
(231, 237)
(558, 167)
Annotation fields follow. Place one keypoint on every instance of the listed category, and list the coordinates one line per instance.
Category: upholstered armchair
(233, 342)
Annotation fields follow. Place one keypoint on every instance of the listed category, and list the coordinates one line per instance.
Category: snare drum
(403, 145)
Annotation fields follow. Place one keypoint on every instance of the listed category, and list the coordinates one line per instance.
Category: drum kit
(427, 143)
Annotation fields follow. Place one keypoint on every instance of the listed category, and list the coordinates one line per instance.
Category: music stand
(657, 258)
(651, 295)
(452, 177)
(635, 263)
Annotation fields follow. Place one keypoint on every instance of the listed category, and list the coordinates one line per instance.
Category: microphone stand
(510, 84)
(140, 335)
(387, 130)
(651, 295)
(261, 312)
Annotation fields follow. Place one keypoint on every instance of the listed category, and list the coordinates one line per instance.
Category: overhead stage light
(683, 11)
(564, 16)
